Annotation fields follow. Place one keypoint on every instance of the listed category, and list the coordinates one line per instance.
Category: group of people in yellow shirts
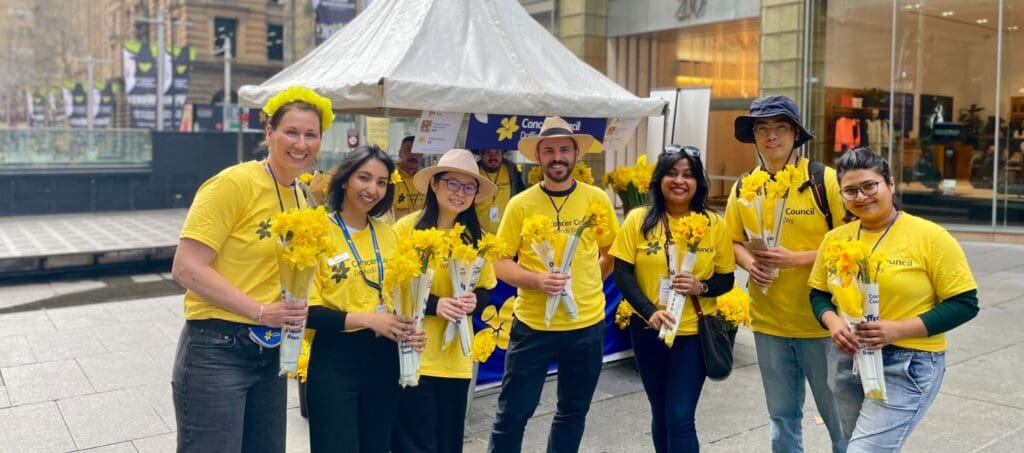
(228, 395)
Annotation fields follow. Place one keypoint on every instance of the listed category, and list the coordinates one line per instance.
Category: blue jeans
(578, 354)
(785, 363)
(912, 380)
(673, 379)
(227, 394)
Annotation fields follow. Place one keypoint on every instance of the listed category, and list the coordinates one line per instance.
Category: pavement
(95, 377)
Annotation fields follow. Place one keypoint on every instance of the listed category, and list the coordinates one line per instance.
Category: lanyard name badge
(270, 337)
(665, 283)
(493, 214)
(379, 284)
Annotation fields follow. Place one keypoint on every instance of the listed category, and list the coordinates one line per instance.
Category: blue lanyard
(378, 285)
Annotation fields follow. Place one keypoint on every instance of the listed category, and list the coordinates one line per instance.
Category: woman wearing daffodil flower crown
(227, 392)
(431, 415)
(672, 376)
(924, 288)
(352, 385)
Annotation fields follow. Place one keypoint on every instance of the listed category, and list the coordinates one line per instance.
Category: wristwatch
(703, 289)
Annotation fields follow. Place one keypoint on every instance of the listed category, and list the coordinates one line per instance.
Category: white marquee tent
(473, 56)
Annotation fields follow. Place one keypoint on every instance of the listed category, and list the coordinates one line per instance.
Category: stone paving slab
(34, 427)
(45, 382)
(108, 418)
(164, 443)
(68, 234)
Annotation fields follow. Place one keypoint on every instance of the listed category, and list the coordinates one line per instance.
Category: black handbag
(716, 342)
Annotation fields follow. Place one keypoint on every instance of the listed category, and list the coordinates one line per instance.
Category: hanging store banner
(619, 134)
(505, 131)
(331, 15)
(378, 131)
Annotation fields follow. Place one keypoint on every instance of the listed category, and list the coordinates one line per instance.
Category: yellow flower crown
(302, 94)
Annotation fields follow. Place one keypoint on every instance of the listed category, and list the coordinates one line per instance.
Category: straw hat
(458, 161)
(554, 126)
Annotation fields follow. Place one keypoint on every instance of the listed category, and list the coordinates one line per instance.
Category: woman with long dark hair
(925, 289)
(352, 385)
(672, 377)
(431, 415)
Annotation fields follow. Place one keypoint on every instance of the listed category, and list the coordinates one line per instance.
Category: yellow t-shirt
(785, 311)
(587, 284)
(339, 283)
(407, 198)
(714, 255)
(436, 361)
(500, 199)
(924, 265)
(231, 214)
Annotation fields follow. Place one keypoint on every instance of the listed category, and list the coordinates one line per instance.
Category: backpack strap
(816, 182)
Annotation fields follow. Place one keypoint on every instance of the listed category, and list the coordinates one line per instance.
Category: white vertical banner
(692, 107)
(436, 132)
(656, 131)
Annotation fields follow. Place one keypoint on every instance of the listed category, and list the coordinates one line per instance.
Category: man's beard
(488, 168)
(568, 174)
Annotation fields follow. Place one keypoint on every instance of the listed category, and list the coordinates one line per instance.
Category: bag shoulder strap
(816, 182)
(696, 306)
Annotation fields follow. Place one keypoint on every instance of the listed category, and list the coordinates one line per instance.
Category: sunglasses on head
(691, 151)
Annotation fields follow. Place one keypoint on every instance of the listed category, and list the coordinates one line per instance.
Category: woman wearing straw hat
(431, 415)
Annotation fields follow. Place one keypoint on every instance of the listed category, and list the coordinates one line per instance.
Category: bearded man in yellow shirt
(574, 343)
(790, 343)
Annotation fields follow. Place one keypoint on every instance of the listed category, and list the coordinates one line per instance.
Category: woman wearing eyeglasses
(925, 288)
(431, 416)
(352, 385)
(672, 377)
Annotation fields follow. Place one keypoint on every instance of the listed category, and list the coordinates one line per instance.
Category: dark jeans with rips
(228, 396)
(578, 354)
(673, 379)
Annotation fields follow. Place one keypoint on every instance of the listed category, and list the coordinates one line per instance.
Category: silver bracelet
(259, 316)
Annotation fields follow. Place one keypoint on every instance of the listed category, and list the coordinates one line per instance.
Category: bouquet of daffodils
(631, 183)
(688, 231)
(465, 263)
(853, 280)
(557, 251)
(762, 201)
(411, 268)
(302, 239)
(734, 308)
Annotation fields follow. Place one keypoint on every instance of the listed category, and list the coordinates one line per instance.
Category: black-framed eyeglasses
(780, 129)
(455, 186)
(691, 151)
(868, 188)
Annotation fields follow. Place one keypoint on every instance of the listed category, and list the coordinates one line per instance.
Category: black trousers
(431, 416)
(352, 392)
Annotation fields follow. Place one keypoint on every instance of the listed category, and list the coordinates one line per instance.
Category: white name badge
(339, 258)
(664, 291)
(492, 214)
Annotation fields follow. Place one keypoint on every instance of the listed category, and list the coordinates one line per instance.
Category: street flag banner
(504, 131)
(76, 104)
(104, 95)
(331, 15)
(140, 82)
(436, 132)
(182, 58)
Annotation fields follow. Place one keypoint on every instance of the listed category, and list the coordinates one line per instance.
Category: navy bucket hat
(769, 106)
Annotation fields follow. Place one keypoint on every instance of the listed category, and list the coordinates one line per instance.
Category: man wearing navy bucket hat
(790, 342)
